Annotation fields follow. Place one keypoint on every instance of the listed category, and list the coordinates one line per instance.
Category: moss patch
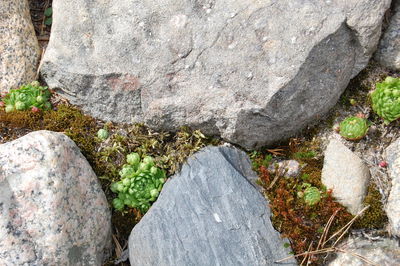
(291, 215)
(375, 216)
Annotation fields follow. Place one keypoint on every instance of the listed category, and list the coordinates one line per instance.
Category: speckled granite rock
(346, 174)
(393, 204)
(19, 48)
(388, 53)
(382, 252)
(208, 214)
(253, 72)
(52, 208)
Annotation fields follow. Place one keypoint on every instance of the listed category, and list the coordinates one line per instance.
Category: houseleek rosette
(311, 195)
(140, 184)
(27, 97)
(386, 99)
(353, 128)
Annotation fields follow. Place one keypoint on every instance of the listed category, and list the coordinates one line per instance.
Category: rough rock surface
(253, 72)
(346, 174)
(388, 53)
(382, 252)
(19, 48)
(393, 204)
(208, 214)
(52, 208)
(288, 168)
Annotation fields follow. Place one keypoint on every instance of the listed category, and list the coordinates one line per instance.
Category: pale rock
(346, 174)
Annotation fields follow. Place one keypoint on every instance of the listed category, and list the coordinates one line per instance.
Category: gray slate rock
(346, 174)
(19, 48)
(52, 208)
(388, 53)
(393, 204)
(382, 252)
(208, 214)
(253, 72)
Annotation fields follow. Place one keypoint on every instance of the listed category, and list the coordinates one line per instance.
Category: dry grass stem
(118, 248)
(340, 234)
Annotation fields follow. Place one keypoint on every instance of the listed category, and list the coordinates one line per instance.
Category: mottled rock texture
(388, 53)
(52, 208)
(19, 48)
(253, 72)
(382, 252)
(208, 214)
(287, 168)
(393, 204)
(346, 174)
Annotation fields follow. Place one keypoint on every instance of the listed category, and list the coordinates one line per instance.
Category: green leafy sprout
(386, 99)
(353, 128)
(29, 96)
(140, 184)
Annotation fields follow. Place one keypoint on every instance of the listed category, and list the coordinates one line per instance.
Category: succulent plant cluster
(30, 96)
(141, 182)
(353, 128)
(311, 195)
(386, 99)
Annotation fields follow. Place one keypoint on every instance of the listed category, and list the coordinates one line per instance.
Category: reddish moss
(301, 223)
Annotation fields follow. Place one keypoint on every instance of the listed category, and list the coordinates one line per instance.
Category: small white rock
(346, 174)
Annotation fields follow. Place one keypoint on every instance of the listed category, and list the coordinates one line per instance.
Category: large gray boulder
(393, 204)
(52, 208)
(388, 53)
(19, 48)
(253, 72)
(209, 214)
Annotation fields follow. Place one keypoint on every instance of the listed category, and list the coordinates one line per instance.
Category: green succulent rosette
(312, 196)
(102, 134)
(386, 99)
(140, 184)
(26, 97)
(353, 128)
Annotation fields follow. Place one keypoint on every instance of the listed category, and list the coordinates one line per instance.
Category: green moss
(375, 216)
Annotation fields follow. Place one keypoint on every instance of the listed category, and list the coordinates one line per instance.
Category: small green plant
(48, 15)
(102, 134)
(140, 184)
(353, 128)
(311, 195)
(386, 99)
(30, 96)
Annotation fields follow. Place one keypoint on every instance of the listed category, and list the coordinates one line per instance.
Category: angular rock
(388, 53)
(253, 72)
(19, 48)
(346, 174)
(364, 17)
(383, 252)
(52, 208)
(393, 204)
(208, 214)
